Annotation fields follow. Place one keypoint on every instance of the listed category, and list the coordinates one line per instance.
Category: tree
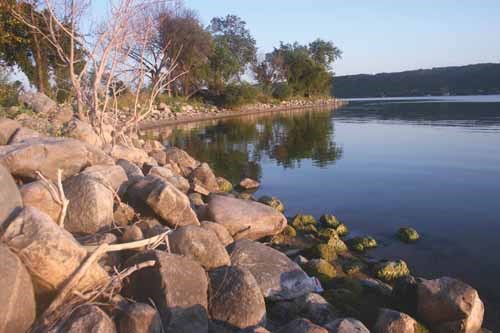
(324, 52)
(233, 40)
(224, 65)
(268, 71)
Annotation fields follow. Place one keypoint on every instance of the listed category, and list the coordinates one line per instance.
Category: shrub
(236, 95)
(282, 91)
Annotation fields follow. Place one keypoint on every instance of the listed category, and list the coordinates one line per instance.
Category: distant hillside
(460, 80)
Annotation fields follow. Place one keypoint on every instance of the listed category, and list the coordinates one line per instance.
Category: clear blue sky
(375, 35)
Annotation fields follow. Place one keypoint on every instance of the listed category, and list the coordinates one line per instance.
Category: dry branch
(151, 242)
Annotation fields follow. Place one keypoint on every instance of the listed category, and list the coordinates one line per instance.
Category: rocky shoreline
(137, 237)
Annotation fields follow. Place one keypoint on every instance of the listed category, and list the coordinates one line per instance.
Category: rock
(272, 202)
(50, 253)
(140, 318)
(38, 102)
(362, 243)
(235, 299)
(321, 269)
(301, 326)
(181, 160)
(246, 196)
(205, 177)
(405, 293)
(123, 214)
(329, 221)
(90, 206)
(42, 196)
(200, 189)
(220, 231)
(390, 321)
(304, 223)
(82, 131)
(164, 199)
(342, 230)
(279, 278)
(327, 234)
(408, 235)
(377, 286)
(353, 266)
(49, 154)
(159, 156)
(289, 231)
(177, 285)
(323, 251)
(245, 219)
(10, 198)
(196, 199)
(224, 184)
(7, 128)
(88, 318)
(132, 171)
(112, 176)
(132, 233)
(110, 260)
(181, 183)
(249, 184)
(17, 299)
(199, 244)
(391, 270)
(449, 305)
(63, 115)
(338, 245)
(22, 134)
(315, 308)
(131, 154)
(346, 325)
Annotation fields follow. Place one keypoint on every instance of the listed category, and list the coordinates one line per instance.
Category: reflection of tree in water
(235, 147)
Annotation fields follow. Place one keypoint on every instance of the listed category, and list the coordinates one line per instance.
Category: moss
(329, 221)
(304, 223)
(338, 244)
(273, 202)
(289, 231)
(391, 270)
(321, 269)
(419, 328)
(327, 233)
(342, 230)
(353, 267)
(362, 243)
(224, 185)
(408, 235)
(324, 251)
(246, 196)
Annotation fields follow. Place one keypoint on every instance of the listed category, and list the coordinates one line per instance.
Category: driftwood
(152, 242)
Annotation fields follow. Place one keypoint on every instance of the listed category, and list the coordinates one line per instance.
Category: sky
(374, 35)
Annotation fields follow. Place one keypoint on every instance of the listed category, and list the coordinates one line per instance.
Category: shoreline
(186, 118)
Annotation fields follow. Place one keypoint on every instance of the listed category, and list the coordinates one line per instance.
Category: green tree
(324, 52)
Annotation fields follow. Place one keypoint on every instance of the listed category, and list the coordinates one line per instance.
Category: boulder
(88, 318)
(301, 326)
(224, 184)
(199, 244)
(279, 278)
(449, 305)
(362, 243)
(46, 155)
(132, 154)
(272, 202)
(329, 221)
(315, 308)
(181, 183)
(123, 214)
(10, 198)
(408, 235)
(7, 128)
(196, 199)
(245, 219)
(113, 176)
(17, 299)
(391, 270)
(38, 102)
(321, 269)
(22, 134)
(177, 285)
(391, 321)
(204, 176)
(159, 156)
(249, 184)
(43, 196)
(181, 160)
(164, 199)
(132, 171)
(220, 231)
(132, 233)
(50, 253)
(346, 325)
(90, 206)
(304, 223)
(235, 299)
(82, 131)
(140, 318)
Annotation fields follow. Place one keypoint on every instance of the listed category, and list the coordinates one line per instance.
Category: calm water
(379, 165)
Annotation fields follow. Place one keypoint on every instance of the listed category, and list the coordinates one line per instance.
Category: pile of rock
(192, 255)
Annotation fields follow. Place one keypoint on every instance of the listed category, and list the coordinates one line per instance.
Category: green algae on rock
(224, 184)
(327, 234)
(329, 221)
(353, 267)
(408, 235)
(338, 244)
(321, 269)
(304, 223)
(289, 231)
(272, 202)
(391, 270)
(342, 230)
(362, 243)
(324, 251)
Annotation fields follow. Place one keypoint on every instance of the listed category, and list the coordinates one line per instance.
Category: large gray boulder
(90, 206)
(88, 318)
(220, 231)
(204, 176)
(235, 299)
(10, 198)
(177, 285)
(279, 278)
(50, 253)
(181, 161)
(113, 176)
(46, 155)
(391, 321)
(314, 307)
(162, 198)
(449, 305)
(199, 244)
(38, 102)
(132, 154)
(22, 134)
(245, 218)
(140, 318)
(17, 299)
(133, 172)
(7, 128)
(82, 131)
(346, 325)
(43, 196)
(301, 325)
(181, 183)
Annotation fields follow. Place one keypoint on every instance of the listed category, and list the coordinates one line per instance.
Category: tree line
(150, 51)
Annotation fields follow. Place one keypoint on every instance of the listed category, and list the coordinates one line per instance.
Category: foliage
(8, 90)
(236, 95)
(324, 52)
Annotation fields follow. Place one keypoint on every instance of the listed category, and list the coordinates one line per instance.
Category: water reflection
(236, 147)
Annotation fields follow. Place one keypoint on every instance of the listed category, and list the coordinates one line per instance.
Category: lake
(429, 163)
